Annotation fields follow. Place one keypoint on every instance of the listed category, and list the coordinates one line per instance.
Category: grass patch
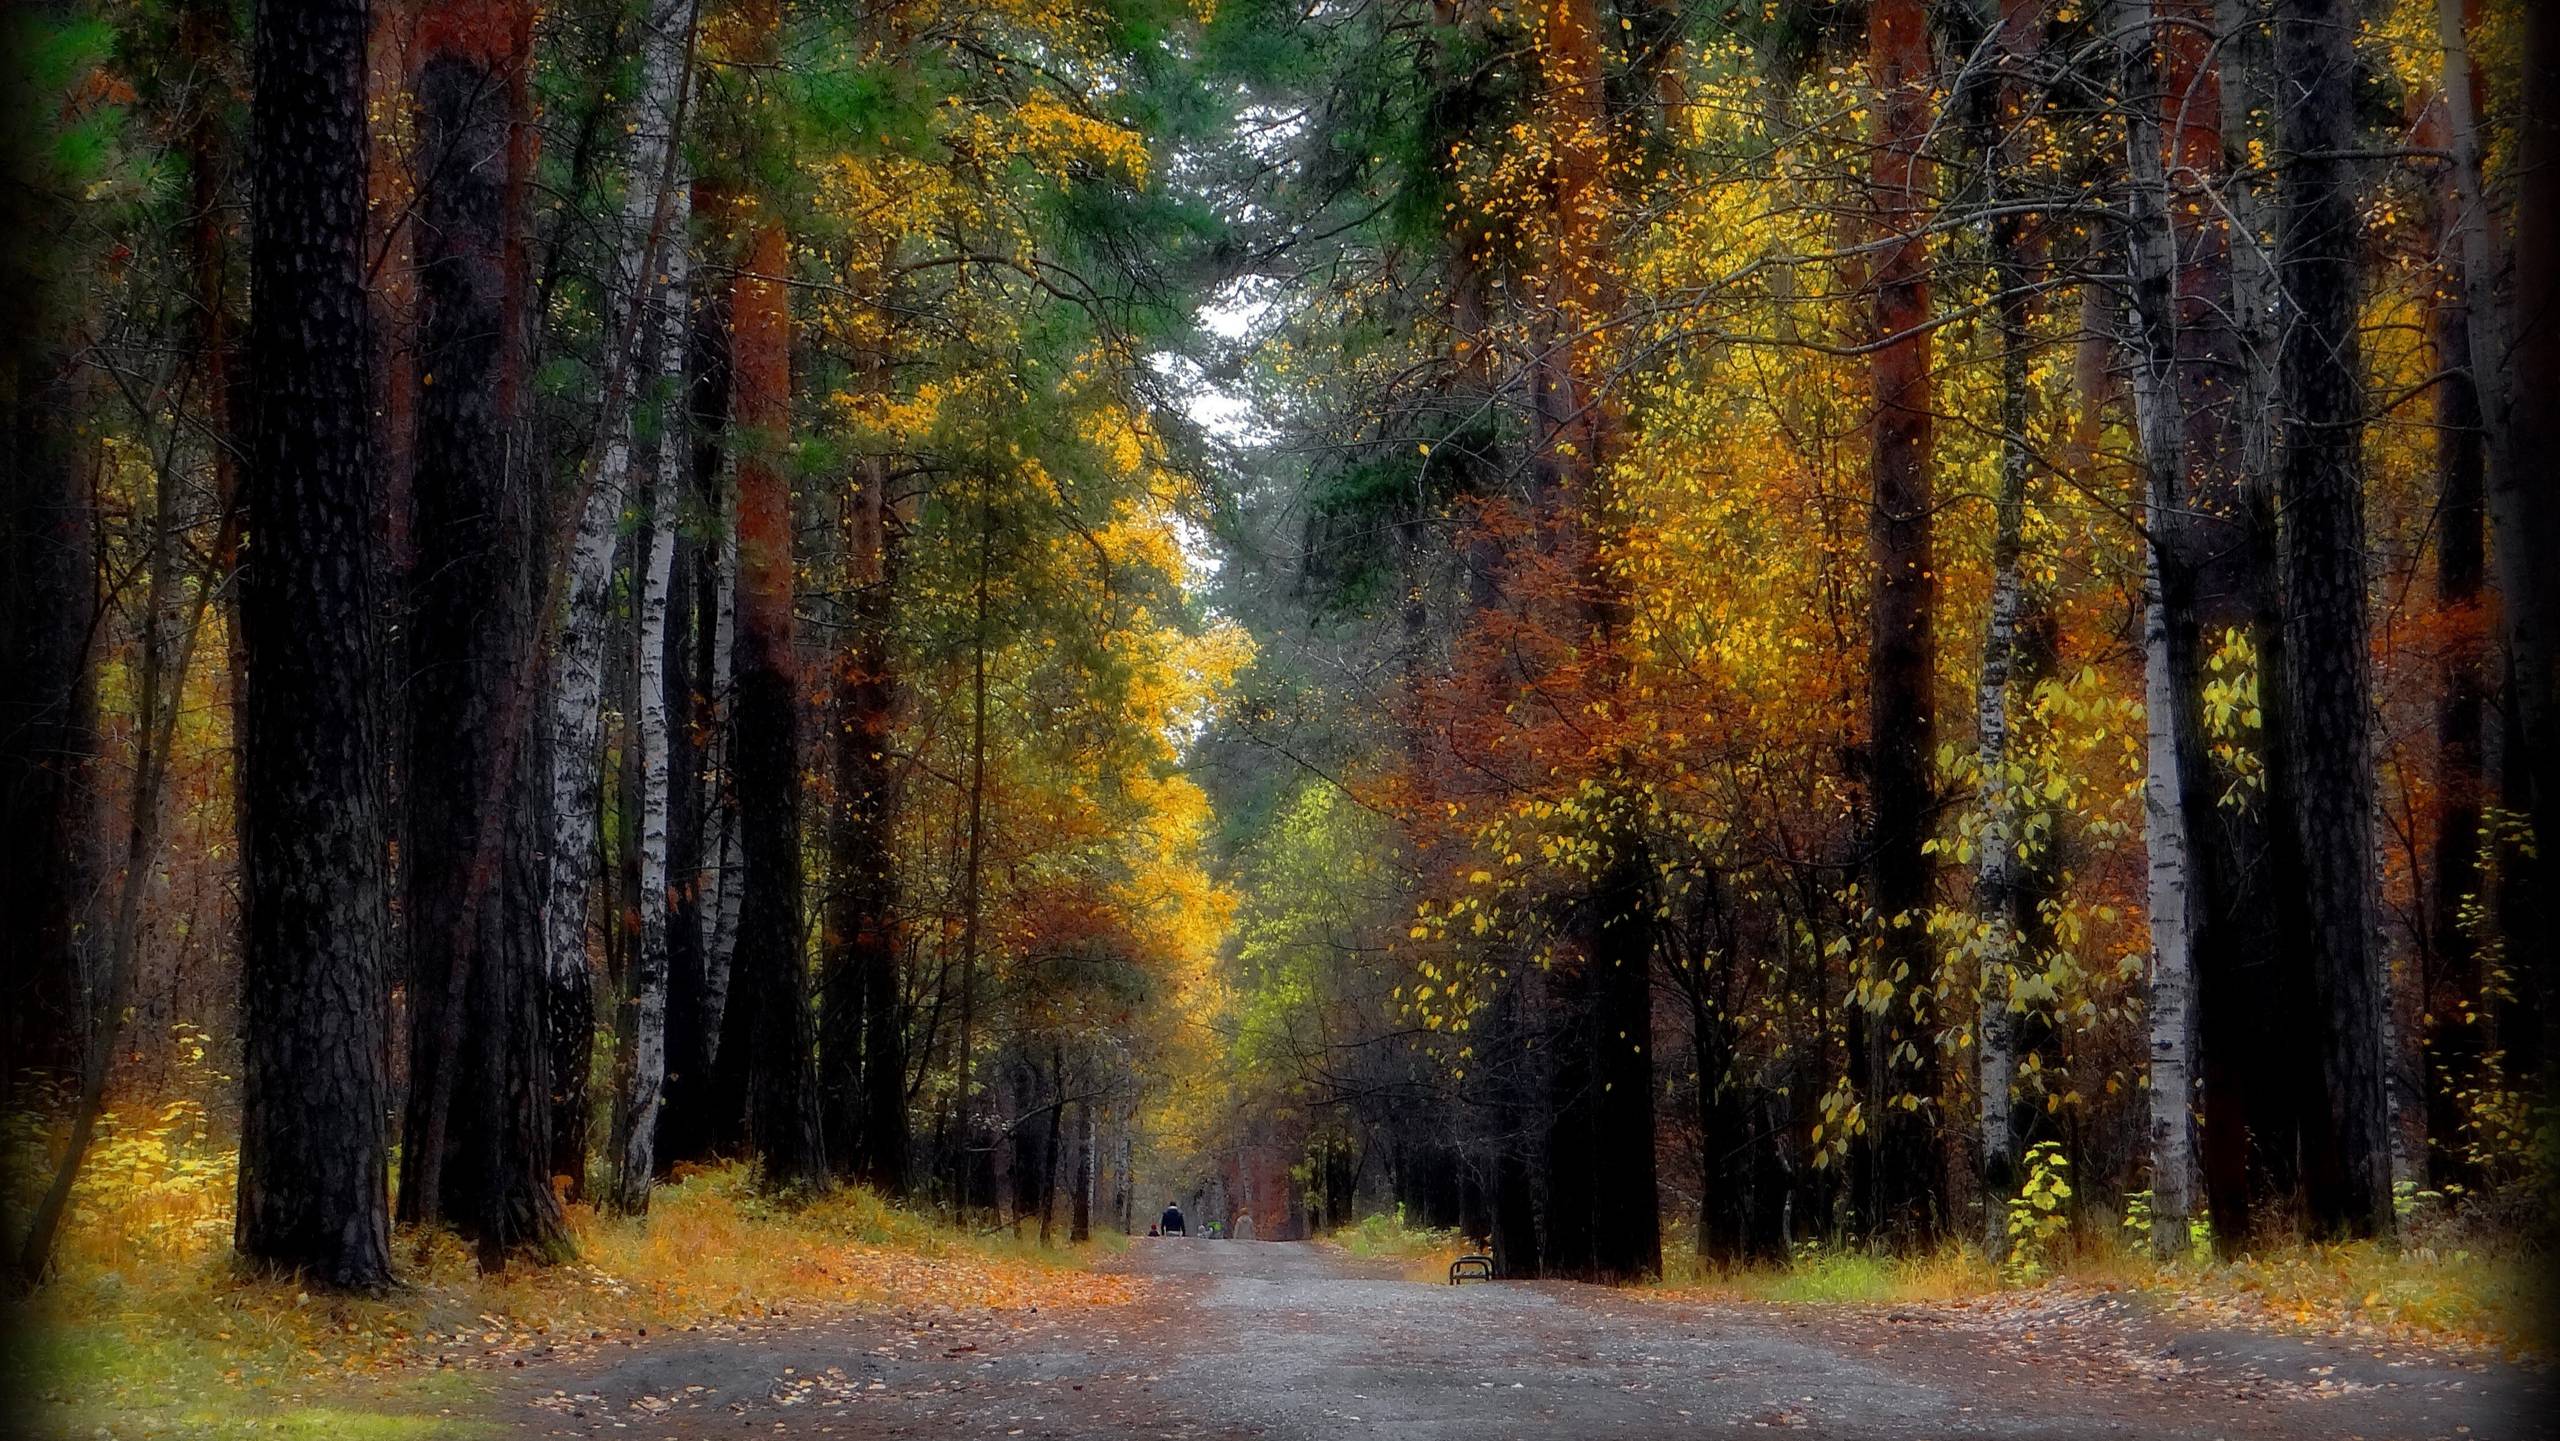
(1826, 1276)
(148, 1329)
(2496, 1298)
(1420, 1253)
(2489, 1297)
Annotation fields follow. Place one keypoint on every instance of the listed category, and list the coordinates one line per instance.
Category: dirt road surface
(1240, 1339)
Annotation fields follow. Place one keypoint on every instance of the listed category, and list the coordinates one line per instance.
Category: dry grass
(147, 1328)
(2492, 1297)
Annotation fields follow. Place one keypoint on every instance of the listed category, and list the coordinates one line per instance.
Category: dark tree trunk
(1057, 1109)
(48, 601)
(2452, 994)
(1513, 1087)
(2526, 514)
(2347, 1141)
(315, 1088)
(694, 1121)
(1627, 1244)
(1080, 1212)
(772, 974)
(1906, 1168)
(477, 1147)
(862, 1034)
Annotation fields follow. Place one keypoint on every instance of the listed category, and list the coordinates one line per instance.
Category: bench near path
(1286, 1340)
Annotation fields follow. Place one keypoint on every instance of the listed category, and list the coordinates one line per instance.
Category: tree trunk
(315, 994)
(2170, 999)
(698, 958)
(2525, 515)
(863, 1035)
(1049, 1145)
(772, 974)
(1901, 1084)
(1080, 1219)
(477, 1147)
(651, 268)
(2001, 114)
(2451, 992)
(48, 614)
(2347, 1149)
(970, 876)
(2180, 896)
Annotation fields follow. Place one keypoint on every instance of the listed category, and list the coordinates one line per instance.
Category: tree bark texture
(477, 1151)
(48, 603)
(772, 970)
(2347, 1143)
(1905, 1170)
(315, 993)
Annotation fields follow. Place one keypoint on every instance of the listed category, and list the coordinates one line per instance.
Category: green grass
(1823, 1276)
(1387, 1238)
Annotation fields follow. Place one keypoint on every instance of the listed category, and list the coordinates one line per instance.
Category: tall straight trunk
(48, 612)
(1905, 1166)
(2001, 110)
(477, 1145)
(862, 1034)
(972, 874)
(698, 978)
(2451, 992)
(2525, 514)
(772, 972)
(2170, 998)
(2253, 956)
(651, 270)
(315, 985)
(2347, 1141)
(1049, 1147)
(2516, 358)
(2181, 891)
(1080, 1217)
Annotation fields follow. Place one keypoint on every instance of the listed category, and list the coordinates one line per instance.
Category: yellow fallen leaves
(136, 1334)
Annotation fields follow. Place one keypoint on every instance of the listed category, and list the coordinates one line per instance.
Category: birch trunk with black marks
(657, 177)
(2173, 750)
(1999, 110)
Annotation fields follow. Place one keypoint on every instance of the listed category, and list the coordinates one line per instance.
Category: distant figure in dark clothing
(1172, 1222)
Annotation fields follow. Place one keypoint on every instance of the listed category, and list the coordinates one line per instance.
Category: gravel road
(1242, 1339)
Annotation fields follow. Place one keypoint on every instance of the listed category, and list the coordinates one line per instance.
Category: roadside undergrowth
(1419, 1253)
(2488, 1296)
(148, 1329)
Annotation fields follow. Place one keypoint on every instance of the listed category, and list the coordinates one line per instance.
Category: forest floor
(149, 1330)
(1277, 1340)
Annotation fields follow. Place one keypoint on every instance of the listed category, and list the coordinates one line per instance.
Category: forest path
(1240, 1339)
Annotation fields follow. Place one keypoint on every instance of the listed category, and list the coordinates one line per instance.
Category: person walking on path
(1172, 1222)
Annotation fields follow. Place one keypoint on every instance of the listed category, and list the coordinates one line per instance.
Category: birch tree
(661, 288)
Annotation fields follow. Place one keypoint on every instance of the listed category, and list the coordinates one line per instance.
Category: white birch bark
(578, 694)
(657, 204)
(722, 878)
(2150, 248)
(646, 1075)
(1996, 859)
(2172, 999)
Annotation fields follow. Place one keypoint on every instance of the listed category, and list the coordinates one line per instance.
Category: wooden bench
(1470, 1268)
